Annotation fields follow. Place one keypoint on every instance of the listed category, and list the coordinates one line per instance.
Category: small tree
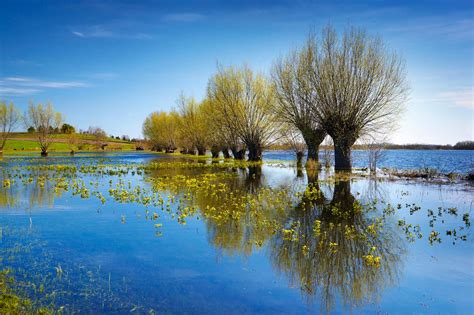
(327, 156)
(375, 151)
(359, 88)
(9, 117)
(292, 136)
(45, 121)
(67, 129)
(72, 142)
(100, 137)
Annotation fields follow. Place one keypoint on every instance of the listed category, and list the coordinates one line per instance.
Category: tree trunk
(215, 152)
(225, 152)
(299, 172)
(44, 153)
(255, 152)
(342, 199)
(313, 139)
(299, 159)
(238, 154)
(201, 150)
(342, 154)
(254, 179)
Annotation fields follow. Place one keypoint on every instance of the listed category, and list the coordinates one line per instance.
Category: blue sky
(111, 63)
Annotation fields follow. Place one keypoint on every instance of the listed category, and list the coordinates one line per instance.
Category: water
(445, 161)
(113, 258)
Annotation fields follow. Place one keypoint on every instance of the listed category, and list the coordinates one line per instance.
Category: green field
(25, 142)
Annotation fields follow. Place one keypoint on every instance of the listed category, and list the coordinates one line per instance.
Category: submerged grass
(13, 303)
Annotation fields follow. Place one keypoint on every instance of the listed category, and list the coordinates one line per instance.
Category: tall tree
(296, 97)
(245, 102)
(45, 121)
(359, 86)
(193, 125)
(9, 117)
(162, 130)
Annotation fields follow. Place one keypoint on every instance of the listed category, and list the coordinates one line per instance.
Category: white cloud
(17, 91)
(183, 17)
(28, 86)
(100, 31)
(78, 33)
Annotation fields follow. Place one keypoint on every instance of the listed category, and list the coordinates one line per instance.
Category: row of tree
(344, 86)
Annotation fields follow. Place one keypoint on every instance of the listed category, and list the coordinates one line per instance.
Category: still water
(142, 233)
(444, 161)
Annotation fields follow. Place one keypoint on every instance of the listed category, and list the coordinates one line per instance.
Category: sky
(111, 63)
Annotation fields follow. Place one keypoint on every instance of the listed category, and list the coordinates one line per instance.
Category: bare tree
(72, 141)
(45, 121)
(359, 88)
(293, 137)
(9, 117)
(327, 156)
(296, 97)
(100, 137)
(376, 151)
(245, 103)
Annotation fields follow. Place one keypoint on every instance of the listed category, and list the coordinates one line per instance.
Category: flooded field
(147, 233)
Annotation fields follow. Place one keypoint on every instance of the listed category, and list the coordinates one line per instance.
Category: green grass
(23, 145)
(13, 303)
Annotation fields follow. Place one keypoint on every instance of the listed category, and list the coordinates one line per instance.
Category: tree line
(43, 123)
(345, 86)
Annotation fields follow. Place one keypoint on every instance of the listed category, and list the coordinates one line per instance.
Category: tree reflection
(328, 255)
(36, 195)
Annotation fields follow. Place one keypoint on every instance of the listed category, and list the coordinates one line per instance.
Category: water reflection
(315, 230)
(332, 247)
(330, 257)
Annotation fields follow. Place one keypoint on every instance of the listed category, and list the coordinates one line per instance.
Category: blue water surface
(113, 259)
(445, 161)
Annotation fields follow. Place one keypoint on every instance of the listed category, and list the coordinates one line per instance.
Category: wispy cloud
(183, 17)
(459, 98)
(100, 31)
(78, 34)
(461, 28)
(15, 86)
(17, 91)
